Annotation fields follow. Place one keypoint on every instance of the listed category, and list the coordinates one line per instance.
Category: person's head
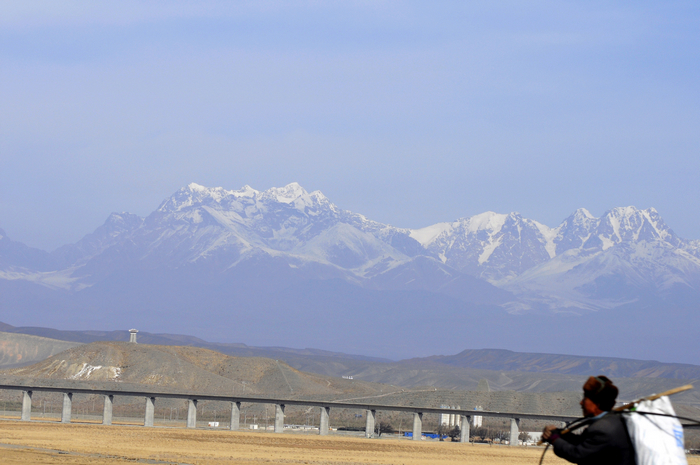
(599, 394)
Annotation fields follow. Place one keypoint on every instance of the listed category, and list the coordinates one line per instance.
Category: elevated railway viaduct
(150, 396)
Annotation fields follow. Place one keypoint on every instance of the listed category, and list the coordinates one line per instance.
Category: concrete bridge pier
(417, 426)
(150, 411)
(67, 410)
(464, 421)
(191, 413)
(107, 411)
(235, 416)
(279, 418)
(514, 431)
(323, 427)
(369, 423)
(26, 405)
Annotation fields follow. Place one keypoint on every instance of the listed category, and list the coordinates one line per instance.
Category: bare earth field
(44, 442)
(96, 444)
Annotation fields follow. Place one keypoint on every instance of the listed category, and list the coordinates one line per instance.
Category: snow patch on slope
(488, 250)
(487, 221)
(549, 236)
(425, 236)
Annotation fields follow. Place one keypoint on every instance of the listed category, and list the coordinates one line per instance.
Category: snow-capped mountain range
(585, 262)
(288, 235)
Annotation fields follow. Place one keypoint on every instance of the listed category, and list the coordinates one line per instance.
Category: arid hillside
(411, 382)
(23, 349)
(190, 369)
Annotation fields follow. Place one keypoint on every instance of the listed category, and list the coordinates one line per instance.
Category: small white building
(450, 419)
(477, 420)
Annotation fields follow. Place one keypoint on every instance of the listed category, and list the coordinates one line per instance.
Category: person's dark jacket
(605, 441)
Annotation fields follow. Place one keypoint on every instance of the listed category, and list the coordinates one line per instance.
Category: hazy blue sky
(408, 112)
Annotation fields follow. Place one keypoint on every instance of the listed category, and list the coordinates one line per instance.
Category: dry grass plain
(45, 442)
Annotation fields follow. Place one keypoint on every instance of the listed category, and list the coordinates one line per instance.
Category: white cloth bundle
(657, 440)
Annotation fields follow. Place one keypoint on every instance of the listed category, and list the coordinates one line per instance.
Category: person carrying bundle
(646, 431)
(606, 440)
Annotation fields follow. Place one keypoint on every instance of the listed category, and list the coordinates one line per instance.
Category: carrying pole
(670, 392)
(629, 405)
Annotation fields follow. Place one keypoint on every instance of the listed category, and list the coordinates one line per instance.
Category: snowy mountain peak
(192, 194)
(116, 225)
(499, 247)
(245, 191)
(318, 195)
(193, 186)
(426, 236)
(243, 200)
(574, 231)
(122, 218)
(582, 214)
(489, 221)
(288, 193)
(296, 196)
(284, 219)
(629, 224)
(630, 217)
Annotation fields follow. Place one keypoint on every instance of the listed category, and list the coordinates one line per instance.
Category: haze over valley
(283, 265)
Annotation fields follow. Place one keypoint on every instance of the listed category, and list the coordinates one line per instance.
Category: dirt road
(24, 443)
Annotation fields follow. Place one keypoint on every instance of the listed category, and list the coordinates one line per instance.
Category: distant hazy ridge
(504, 370)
